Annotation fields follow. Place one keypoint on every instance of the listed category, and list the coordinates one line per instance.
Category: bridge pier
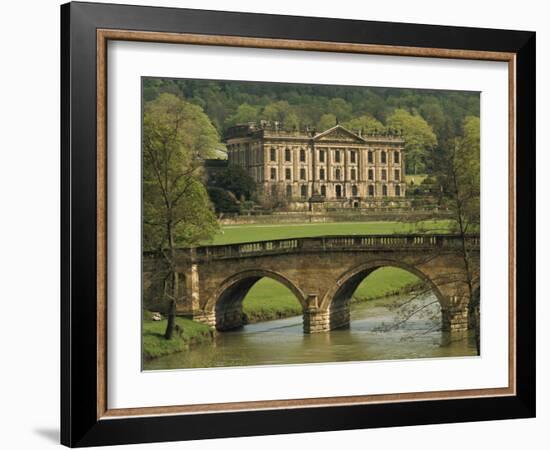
(340, 315)
(229, 318)
(454, 316)
(316, 321)
(206, 317)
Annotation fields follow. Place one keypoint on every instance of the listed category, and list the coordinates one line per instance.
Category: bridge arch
(337, 299)
(228, 299)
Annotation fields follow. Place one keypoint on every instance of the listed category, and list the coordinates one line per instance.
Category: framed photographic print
(277, 224)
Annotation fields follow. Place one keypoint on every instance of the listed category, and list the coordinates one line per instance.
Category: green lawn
(269, 299)
(385, 281)
(249, 233)
(154, 344)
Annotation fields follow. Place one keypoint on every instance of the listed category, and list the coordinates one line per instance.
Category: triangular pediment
(338, 133)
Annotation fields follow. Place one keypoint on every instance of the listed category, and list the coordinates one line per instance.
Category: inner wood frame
(105, 35)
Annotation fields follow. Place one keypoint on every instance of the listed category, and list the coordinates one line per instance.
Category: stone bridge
(322, 272)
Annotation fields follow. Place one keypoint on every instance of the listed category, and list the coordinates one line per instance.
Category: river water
(283, 342)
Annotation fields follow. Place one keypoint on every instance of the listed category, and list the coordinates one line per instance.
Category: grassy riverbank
(270, 300)
(192, 333)
(233, 234)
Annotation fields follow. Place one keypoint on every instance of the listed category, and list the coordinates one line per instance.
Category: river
(283, 342)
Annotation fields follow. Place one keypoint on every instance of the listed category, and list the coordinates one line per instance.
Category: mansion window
(353, 157)
(288, 174)
(338, 189)
(273, 154)
(289, 191)
(337, 156)
(323, 190)
(371, 175)
(337, 174)
(274, 190)
(384, 190)
(273, 174)
(396, 175)
(354, 190)
(371, 190)
(353, 174)
(302, 155)
(396, 157)
(321, 174)
(302, 174)
(397, 190)
(321, 156)
(370, 158)
(383, 175)
(287, 155)
(303, 190)
(383, 157)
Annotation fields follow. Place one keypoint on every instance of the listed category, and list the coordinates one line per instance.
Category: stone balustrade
(416, 242)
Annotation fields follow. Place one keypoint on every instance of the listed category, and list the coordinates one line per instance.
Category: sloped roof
(338, 132)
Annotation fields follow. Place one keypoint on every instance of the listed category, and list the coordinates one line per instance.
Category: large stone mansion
(338, 166)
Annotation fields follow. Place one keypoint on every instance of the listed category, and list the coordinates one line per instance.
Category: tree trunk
(171, 320)
(460, 218)
(174, 288)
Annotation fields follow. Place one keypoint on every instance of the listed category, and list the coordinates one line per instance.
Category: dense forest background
(430, 119)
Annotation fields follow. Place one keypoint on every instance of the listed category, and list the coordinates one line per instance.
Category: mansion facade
(336, 165)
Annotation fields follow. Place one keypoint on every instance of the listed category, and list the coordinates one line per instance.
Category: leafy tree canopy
(419, 137)
(177, 135)
(224, 201)
(286, 102)
(365, 123)
(326, 121)
(236, 180)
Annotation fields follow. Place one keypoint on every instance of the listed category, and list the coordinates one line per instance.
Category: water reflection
(283, 342)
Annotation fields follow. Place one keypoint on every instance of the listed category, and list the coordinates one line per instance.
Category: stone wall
(374, 214)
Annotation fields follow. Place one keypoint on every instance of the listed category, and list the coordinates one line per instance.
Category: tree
(464, 192)
(366, 123)
(177, 135)
(236, 180)
(277, 111)
(224, 201)
(326, 121)
(340, 108)
(459, 179)
(458, 175)
(245, 113)
(419, 137)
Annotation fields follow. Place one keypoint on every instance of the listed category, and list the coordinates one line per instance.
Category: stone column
(281, 169)
(312, 166)
(190, 303)
(328, 175)
(266, 150)
(315, 320)
(346, 183)
(403, 179)
(454, 316)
